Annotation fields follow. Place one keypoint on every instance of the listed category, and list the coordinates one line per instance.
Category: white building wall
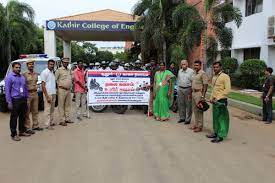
(253, 32)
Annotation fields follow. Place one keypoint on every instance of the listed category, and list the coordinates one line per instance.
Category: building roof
(101, 15)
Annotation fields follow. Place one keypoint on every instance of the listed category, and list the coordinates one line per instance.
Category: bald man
(185, 76)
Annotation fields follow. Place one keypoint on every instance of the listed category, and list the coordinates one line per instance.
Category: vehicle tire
(3, 103)
(40, 101)
(145, 109)
(119, 109)
(98, 108)
(174, 106)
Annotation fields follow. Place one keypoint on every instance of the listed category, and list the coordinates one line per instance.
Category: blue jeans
(267, 110)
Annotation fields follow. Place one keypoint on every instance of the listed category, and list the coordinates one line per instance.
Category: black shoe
(268, 122)
(217, 140)
(30, 132)
(187, 123)
(38, 129)
(181, 121)
(70, 122)
(212, 136)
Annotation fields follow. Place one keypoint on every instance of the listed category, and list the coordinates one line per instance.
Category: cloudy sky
(48, 9)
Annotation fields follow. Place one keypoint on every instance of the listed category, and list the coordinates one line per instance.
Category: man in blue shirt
(16, 97)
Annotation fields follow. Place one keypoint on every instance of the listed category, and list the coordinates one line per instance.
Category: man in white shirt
(185, 76)
(49, 90)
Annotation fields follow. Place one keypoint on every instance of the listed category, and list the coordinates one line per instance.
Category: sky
(48, 9)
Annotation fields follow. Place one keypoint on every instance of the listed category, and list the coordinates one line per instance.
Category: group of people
(192, 88)
(22, 96)
(192, 85)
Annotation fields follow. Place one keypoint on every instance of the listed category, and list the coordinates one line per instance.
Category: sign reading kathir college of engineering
(90, 25)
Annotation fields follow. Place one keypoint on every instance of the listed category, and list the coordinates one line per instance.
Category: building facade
(251, 40)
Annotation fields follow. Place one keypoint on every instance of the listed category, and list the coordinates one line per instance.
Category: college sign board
(90, 25)
(118, 87)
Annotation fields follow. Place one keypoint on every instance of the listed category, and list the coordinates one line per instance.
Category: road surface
(132, 148)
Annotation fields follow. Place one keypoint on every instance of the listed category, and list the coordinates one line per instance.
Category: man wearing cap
(31, 81)
(199, 89)
(63, 78)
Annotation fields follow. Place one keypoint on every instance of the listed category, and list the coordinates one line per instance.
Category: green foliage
(212, 50)
(17, 31)
(122, 56)
(252, 72)
(177, 54)
(104, 56)
(230, 65)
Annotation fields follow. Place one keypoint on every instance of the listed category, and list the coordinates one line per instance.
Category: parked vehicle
(41, 62)
(174, 107)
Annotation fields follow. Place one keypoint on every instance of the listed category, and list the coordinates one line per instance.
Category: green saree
(164, 82)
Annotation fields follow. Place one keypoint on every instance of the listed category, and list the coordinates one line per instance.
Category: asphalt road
(132, 148)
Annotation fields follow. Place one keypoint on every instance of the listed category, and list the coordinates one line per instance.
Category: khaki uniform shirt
(199, 79)
(221, 86)
(31, 80)
(64, 77)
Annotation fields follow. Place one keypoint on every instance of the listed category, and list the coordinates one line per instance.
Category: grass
(245, 98)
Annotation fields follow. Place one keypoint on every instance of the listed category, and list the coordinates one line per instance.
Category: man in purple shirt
(16, 97)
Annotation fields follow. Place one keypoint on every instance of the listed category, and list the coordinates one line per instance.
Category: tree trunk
(9, 51)
(164, 52)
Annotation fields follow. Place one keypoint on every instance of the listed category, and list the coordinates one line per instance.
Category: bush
(230, 65)
(236, 80)
(252, 73)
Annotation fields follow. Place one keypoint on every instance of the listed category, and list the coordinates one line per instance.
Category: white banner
(118, 87)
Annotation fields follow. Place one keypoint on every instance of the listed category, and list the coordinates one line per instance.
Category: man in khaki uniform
(63, 78)
(31, 81)
(199, 88)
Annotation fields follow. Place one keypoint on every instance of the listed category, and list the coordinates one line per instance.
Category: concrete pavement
(132, 148)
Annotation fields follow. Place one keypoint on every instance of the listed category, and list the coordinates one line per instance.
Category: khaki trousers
(81, 105)
(33, 109)
(196, 97)
(49, 110)
(64, 104)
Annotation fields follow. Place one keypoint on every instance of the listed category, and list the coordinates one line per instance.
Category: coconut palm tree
(154, 27)
(216, 17)
(19, 27)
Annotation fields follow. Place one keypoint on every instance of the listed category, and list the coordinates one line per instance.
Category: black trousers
(19, 110)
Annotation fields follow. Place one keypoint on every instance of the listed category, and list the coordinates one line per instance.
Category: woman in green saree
(163, 93)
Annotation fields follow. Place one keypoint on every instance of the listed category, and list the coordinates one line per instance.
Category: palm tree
(154, 25)
(216, 18)
(19, 27)
(189, 25)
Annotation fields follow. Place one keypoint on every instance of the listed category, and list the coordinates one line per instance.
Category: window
(253, 6)
(252, 53)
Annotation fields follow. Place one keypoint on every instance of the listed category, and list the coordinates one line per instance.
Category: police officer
(199, 89)
(31, 81)
(63, 78)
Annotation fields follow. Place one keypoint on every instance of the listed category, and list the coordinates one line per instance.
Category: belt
(197, 90)
(185, 87)
(32, 91)
(63, 88)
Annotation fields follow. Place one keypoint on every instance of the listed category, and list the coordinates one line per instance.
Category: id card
(160, 84)
(21, 90)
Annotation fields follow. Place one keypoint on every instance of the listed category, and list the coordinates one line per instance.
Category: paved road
(131, 148)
